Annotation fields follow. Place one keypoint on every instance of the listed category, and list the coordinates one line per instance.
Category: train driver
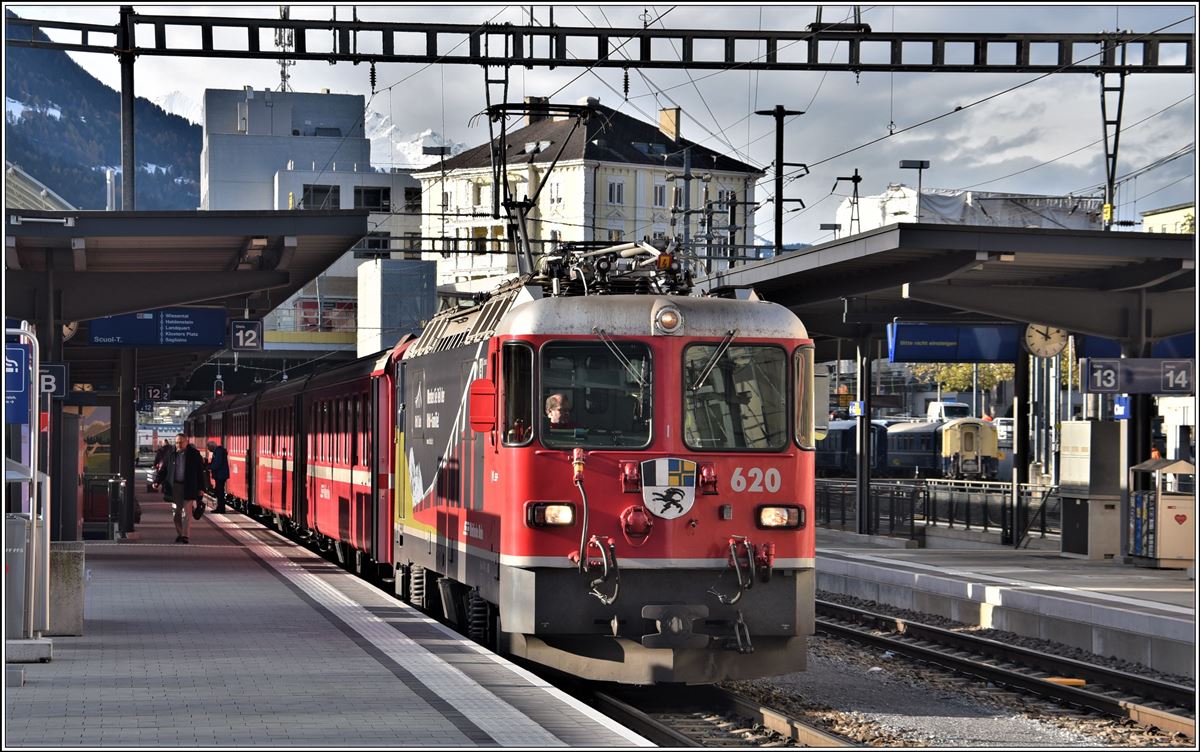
(558, 410)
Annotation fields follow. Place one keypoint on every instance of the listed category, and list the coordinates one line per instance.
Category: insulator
(372, 78)
(626, 83)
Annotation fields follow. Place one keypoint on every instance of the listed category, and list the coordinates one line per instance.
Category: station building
(618, 179)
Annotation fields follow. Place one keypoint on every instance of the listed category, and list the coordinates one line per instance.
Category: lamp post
(920, 165)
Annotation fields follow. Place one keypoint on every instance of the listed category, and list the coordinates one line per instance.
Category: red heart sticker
(1181, 518)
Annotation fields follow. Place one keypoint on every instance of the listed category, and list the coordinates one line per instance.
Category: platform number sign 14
(245, 335)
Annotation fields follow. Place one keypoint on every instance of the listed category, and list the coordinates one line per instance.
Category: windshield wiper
(619, 356)
(712, 362)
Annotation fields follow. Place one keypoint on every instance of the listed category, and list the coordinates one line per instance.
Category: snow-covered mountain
(178, 103)
(392, 148)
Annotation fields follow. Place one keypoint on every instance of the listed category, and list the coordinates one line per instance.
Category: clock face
(1045, 341)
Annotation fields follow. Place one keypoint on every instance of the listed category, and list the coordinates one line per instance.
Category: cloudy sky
(1052, 125)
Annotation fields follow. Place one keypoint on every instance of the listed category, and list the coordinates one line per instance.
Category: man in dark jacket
(180, 481)
(218, 467)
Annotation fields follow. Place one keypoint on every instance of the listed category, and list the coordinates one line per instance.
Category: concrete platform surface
(241, 638)
(1143, 615)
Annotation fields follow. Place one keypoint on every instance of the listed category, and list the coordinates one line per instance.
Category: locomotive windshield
(595, 394)
(741, 404)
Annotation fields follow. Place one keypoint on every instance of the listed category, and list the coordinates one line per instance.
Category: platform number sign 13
(245, 334)
(1104, 375)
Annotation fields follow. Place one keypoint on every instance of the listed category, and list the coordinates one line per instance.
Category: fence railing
(902, 507)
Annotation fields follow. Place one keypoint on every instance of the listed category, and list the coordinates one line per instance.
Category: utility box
(1162, 525)
(1090, 488)
(16, 542)
(1090, 459)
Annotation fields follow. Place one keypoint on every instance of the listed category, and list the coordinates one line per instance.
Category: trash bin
(16, 541)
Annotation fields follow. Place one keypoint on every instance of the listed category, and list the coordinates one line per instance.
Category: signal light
(218, 387)
(780, 517)
(708, 478)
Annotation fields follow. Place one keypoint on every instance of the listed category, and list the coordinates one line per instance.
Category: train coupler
(606, 563)
(740, 549)
(764, 561)
(674, 623)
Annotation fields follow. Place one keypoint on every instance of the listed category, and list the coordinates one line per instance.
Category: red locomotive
(590, 469)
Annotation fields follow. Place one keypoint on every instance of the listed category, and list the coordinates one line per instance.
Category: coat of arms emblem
(669, 486)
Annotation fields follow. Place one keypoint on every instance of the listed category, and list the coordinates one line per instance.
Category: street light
(832, 226)
(920, 165)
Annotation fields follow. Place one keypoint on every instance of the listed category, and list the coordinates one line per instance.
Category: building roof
(608, 136)
(1166, 209)
(23, 191)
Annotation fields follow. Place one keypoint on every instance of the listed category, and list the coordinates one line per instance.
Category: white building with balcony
(617, 179)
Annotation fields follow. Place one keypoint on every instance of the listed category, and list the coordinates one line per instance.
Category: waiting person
(180, 480)
(558, 410)
(218, 467)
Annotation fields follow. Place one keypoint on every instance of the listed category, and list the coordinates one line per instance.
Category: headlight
(549, 514)
(668, 320)
(780, 517)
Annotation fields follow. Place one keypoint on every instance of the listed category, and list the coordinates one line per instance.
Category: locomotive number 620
(754, 480)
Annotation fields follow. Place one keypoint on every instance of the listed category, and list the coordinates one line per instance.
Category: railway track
(708, 716)
(1147, 702)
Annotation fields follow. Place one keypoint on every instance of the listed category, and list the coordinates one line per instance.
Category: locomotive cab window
(805, 399)
(518, 394)
(740, 403)
(595, 394)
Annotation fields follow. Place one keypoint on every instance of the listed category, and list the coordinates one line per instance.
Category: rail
(1145, 701)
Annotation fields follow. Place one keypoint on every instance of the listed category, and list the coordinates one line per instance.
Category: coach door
(970, 450)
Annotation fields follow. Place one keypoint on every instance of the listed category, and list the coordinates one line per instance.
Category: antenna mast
(285, 40)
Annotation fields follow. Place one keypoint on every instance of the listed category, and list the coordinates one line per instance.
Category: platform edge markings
(503, 723)
(532, 680)
(1033, 586)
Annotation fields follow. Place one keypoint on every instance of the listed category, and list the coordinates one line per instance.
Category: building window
(616, 191)
(614, 236)
(476, 194)
(374, 245)
(445, 200)
(677, 196)
(660, 195)
(412, 199)
(375, 199)
(554, 191)
(412, 246)
(321, 197)
(723, 198)
(555, 236)
(658, 235)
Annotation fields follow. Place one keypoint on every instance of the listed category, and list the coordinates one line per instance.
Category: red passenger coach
(240, 447)
(274, 481)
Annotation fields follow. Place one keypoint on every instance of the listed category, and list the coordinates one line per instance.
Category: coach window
(518, 393)
(602, 392)
(736, 399)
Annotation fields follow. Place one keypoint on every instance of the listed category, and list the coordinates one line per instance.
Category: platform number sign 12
(245, 335)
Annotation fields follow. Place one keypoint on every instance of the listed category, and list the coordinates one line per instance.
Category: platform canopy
(1128, 286)
(72, 266)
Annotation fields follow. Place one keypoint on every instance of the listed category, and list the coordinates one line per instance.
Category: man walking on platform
(179, 478)
(218, 466)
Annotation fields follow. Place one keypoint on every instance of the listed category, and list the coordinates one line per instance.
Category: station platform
(1146, 616)
(242, 638)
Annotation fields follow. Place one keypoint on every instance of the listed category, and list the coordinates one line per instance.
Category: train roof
(898, 428)
(633, 315)
(842, 425)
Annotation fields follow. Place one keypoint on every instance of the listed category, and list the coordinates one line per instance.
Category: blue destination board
(16, 383)
(952, 343)
(165, 327)
(1179, 346)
